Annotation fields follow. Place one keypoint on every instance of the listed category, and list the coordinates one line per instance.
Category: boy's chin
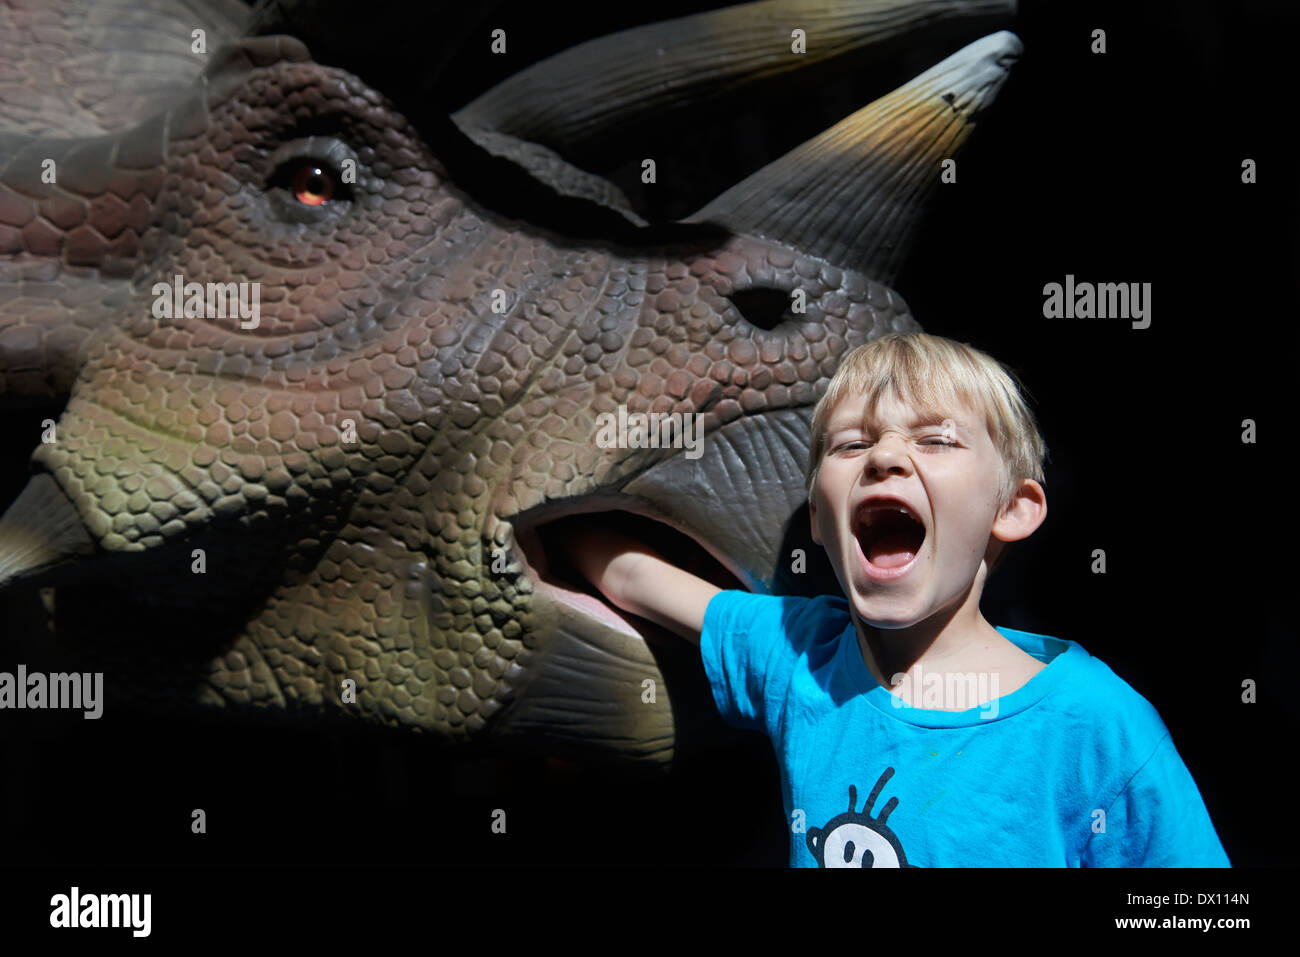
(887, 614)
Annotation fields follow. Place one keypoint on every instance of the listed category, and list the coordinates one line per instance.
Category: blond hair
(934, 375)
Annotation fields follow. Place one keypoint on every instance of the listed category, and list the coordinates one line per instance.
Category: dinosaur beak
(40, 533)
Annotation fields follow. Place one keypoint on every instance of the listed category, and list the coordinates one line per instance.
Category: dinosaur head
(329, 410)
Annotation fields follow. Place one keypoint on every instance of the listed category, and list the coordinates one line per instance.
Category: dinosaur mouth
(546, 546)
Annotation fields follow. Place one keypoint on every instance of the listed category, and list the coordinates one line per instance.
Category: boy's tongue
(894, 549)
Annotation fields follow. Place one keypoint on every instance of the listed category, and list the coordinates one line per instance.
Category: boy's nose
(888, 456)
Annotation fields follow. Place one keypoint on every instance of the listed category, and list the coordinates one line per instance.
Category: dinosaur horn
(41, 531)
(608, 89)
(855, 194)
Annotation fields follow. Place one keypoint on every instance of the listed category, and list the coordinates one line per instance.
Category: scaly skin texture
(391, 560)
(465, 418)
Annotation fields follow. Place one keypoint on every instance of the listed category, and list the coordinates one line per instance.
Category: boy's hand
(602, 555)
(638, 579)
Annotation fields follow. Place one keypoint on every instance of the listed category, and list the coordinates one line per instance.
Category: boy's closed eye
(931, 441)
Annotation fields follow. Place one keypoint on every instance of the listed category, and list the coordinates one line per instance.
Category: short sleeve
(1158, 820)
(749, 645)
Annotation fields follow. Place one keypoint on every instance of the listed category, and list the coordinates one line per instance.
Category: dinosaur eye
(311, 183)
(312, 180)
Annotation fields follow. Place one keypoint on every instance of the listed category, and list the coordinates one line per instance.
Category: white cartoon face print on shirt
(857, 839)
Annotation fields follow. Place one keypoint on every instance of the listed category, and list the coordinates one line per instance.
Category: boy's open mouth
(889, 533)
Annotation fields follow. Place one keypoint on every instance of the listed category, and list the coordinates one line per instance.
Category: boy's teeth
(870, 517)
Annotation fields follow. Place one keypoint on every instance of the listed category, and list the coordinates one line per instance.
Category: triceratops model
(338, 368)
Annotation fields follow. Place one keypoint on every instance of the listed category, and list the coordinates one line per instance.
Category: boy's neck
(955, 640)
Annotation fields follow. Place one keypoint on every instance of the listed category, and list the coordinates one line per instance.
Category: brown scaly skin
(372, 561)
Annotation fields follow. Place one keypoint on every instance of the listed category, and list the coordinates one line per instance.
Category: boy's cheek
(825, 531)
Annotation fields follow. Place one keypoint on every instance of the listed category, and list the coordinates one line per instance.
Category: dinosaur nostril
(764, 307)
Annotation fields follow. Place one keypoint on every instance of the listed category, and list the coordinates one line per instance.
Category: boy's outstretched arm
(639, 580)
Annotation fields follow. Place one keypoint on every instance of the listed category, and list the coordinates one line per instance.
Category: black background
(1121, 167)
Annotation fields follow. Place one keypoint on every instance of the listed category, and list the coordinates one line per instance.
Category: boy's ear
(812, 520)
(1024, 513)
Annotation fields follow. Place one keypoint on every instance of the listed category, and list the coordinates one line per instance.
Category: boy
(909, 731)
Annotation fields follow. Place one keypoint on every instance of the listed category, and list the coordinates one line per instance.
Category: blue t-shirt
(1072, 769)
